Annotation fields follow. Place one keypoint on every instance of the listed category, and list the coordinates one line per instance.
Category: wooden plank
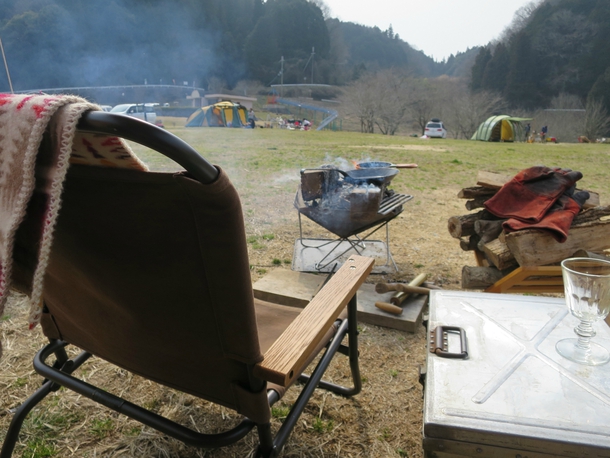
(290, 351)
(476, 191)
(295, 289)
(538, 248)
(491, 179)
(288, 287)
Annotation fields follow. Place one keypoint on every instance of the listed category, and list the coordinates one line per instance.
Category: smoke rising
(61, 43)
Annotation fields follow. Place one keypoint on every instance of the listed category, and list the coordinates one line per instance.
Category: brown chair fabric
(150, 272)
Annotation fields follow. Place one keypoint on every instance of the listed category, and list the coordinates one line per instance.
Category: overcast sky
(437, 27)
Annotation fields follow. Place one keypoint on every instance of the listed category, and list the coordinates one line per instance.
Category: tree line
(67, 43)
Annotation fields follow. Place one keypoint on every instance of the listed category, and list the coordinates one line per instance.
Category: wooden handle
(405, 166)
(389, 308)
(386, 287)
(400, 297)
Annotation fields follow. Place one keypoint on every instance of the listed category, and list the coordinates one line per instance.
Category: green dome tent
(221, 114)
(501, 128)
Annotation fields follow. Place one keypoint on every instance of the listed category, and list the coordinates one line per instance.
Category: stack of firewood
(498, 253)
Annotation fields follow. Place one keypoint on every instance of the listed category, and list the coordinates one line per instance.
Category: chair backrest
(150, 272)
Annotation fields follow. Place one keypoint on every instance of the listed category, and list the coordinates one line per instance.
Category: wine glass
(587, 291)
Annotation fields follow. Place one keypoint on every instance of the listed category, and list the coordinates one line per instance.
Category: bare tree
(248, 88)
(597, 121)
(216, 85)
(465, 110)
(423, 102)
(564, 117)
(360, 103)
(520, 19)
(390, 89)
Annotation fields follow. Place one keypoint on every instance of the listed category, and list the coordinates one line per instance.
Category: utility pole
(8, 75)
(282, 77)
(313, 52)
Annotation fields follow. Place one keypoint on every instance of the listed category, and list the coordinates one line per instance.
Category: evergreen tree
(522, 84)
(601, 90)
(478, 69)
(496, 70)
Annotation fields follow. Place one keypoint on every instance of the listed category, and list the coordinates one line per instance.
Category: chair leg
(15, 427)
(314, 380)
(352, 352)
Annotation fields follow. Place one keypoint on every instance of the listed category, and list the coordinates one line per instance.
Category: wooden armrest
(290, 351)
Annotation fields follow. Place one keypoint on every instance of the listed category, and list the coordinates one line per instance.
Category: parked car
(145, 111)
(435, 129)
(106, 107)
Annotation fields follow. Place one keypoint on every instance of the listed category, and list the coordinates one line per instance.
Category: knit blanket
(27, 162)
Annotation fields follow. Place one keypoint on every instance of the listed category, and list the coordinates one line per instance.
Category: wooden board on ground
(287, 287)
(295, 289)
(412, 309)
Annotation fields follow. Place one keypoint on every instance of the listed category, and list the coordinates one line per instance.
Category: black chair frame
(59, 373)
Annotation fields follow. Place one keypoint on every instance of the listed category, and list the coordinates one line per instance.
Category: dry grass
(385, 420)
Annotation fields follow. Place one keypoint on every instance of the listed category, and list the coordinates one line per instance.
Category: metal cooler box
(514, 396)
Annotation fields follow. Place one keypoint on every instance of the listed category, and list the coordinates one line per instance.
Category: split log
(497, 180)
(499, 254)
(589, 254)
(476, 191)
(463, 225)
(592, 214)
(475, 277)
(487, 230)
(539, 248)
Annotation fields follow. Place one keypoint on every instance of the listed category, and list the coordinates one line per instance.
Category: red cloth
(532, 193)
(558, 219)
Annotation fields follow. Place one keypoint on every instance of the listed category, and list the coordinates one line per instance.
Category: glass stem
(585, 332)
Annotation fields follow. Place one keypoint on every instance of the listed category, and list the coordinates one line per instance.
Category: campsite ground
(385, 420)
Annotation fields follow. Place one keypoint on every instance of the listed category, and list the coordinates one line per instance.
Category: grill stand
(331, 251)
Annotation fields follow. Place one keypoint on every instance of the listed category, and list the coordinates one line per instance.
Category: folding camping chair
(150, 272)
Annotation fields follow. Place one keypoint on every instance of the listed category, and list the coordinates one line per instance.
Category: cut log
(477, 202)
(592, 214)
(499, 254)
(475, 277)
(538, 248)
(463, 225)
(470, 243)
(488, 230)
(497, 180)
(476, 191)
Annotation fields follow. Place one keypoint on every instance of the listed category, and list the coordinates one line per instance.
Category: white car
(144, 111)
(435, 129)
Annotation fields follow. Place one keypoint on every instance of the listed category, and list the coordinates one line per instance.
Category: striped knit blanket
(27, 162)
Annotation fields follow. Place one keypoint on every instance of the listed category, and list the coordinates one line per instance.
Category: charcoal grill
(353, 207)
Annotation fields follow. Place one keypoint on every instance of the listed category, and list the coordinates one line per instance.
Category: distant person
(528, 128)
(251, 118)
(543, 132)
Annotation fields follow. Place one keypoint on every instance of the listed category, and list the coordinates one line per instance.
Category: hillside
(69, 43)
(562, 47)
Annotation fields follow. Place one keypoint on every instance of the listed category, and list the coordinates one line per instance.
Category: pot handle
(405, 166)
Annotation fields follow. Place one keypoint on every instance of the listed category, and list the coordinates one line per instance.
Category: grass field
(385, 419)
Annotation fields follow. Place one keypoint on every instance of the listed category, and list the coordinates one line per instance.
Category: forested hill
(65, 43)
(558, 47)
